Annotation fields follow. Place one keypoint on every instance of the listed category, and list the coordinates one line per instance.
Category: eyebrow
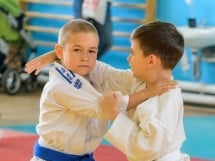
(95, 48)
(77, 45)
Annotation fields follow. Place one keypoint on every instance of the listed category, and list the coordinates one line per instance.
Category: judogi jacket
(70, 119)
(152, 131)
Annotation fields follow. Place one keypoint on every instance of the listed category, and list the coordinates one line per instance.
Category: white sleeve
(151, 131)
(124, 103)
(106, 77)
(72, 92)
(85, 102)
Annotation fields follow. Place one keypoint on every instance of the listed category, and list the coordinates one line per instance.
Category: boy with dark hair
(154, 130)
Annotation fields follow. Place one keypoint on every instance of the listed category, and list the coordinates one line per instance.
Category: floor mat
(18, 146)
(200, 133)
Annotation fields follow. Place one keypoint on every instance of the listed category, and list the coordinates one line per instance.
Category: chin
(134, 75)
(139, 77)
(84, 73)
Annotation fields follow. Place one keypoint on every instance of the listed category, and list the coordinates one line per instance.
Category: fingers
(174, 83)
(110, 105)
(168, 82)
(168, 86)
(112, 98)
(29, 68)
(117, 95)
(33, 66)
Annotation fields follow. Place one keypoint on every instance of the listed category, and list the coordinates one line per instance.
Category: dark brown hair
(161, 38)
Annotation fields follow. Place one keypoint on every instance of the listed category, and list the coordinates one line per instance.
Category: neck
(161, 75)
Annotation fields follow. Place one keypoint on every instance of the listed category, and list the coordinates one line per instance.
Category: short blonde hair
(75, 26)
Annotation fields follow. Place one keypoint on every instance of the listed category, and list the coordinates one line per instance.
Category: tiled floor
(20, 109)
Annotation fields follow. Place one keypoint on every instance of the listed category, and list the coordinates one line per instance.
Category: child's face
(137, 61)
(79, 54)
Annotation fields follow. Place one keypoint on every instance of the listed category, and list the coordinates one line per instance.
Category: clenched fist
(110, 105)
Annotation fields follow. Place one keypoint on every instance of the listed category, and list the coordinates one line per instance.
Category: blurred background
(30, 28)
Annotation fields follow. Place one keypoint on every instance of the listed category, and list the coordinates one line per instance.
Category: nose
(129, 58)
(85, 56)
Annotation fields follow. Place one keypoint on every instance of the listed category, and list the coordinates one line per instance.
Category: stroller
(12, 78)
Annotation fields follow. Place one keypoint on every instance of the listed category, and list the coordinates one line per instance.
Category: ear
(59, 51)
(152, 60)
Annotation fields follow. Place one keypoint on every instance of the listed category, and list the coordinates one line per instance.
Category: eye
(131, 52)
(77, 50)
(93, 51)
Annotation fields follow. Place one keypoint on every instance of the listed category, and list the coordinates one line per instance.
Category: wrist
(146, 94)
(115, 116)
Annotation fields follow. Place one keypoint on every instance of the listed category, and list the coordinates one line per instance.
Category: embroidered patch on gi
(70, 77)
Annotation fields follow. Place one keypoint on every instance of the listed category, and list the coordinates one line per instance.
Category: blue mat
(200, 132)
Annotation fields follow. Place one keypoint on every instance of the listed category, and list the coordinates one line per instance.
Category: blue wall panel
(176, 12)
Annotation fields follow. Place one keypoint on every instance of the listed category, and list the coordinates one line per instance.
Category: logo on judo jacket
(70, 77)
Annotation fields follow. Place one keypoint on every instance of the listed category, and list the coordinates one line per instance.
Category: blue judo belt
(53, 155)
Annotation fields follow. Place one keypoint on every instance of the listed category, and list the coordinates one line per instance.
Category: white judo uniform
(69, 114)
(151, 132)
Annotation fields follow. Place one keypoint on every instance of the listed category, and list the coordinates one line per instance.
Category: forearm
(151, 91)
(50, 56)
(137, 98)
(38, 63)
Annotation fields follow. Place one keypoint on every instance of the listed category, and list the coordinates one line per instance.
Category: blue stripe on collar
(70, 77)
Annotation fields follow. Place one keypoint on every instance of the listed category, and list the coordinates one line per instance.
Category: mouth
(130, 65)
(84, 66)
